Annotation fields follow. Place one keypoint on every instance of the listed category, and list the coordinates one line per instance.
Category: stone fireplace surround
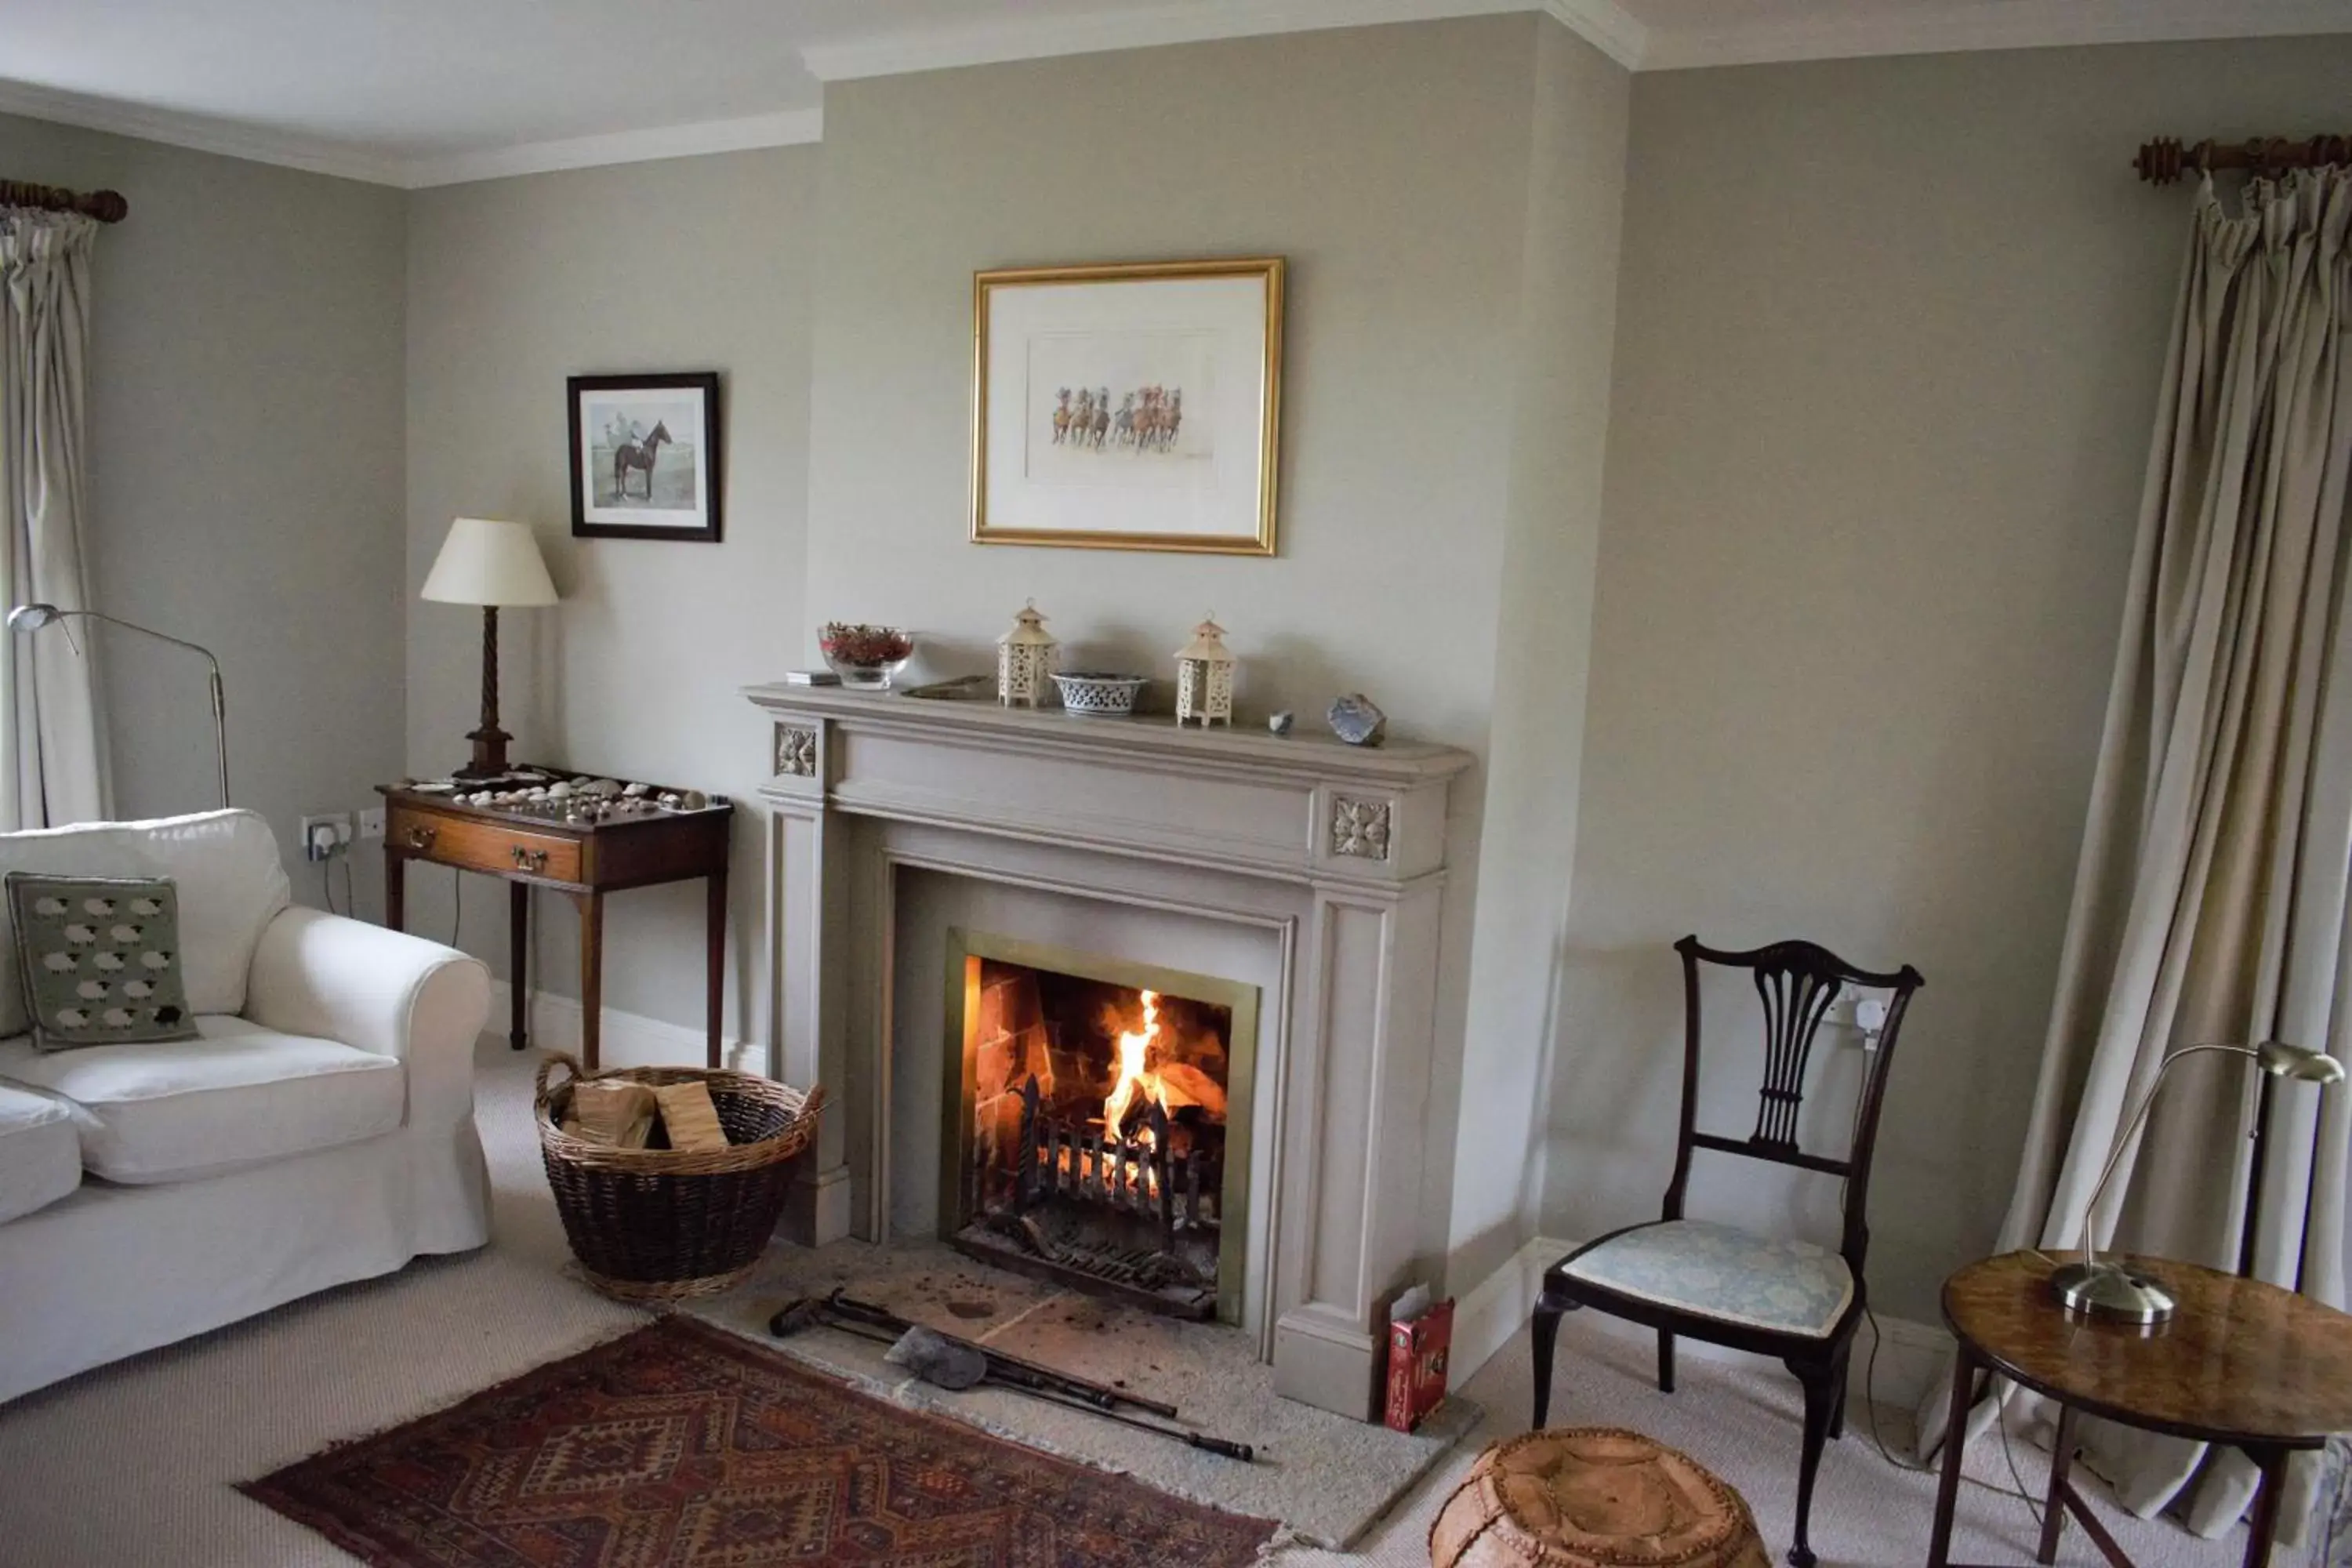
(1316, 868)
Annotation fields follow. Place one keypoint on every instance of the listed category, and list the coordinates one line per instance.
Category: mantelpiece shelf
(1155, 736)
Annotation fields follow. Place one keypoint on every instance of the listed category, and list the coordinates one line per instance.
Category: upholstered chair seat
(1722, 1272)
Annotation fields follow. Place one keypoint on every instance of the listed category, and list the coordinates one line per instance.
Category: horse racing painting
(644, 456)
(1128, 407)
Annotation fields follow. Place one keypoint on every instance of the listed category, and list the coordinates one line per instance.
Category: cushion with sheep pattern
(100, 959)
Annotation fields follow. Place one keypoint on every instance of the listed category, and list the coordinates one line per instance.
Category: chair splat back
(1796, 984)
(1796, 993)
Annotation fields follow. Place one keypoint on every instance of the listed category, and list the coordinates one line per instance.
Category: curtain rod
(2164, 160)
(106, 206)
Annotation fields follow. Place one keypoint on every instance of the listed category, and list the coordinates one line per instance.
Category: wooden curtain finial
(2160, 162)
(106, 206)
(2164, 160)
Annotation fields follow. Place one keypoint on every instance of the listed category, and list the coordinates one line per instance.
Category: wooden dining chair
(1725, 1285)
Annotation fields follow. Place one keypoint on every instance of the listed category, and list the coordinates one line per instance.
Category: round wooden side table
(2239, 1362)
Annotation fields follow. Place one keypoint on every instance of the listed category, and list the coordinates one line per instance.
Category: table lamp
(2107, 1289)
(26, 619)
(492, 563)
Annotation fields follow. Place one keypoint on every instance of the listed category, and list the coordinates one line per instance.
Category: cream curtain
(53, 769)
(2210, 899)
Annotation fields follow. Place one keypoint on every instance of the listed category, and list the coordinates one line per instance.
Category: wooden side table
(2240, 1362)
(583, 859)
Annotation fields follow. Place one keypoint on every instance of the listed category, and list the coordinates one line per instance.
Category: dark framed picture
(644, 456)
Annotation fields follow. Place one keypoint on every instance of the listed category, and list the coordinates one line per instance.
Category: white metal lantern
(1205, 679)
(1025, 661)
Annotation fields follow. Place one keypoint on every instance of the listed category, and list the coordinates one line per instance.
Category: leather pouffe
(1592, 1496)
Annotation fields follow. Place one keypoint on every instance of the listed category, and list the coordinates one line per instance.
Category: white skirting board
(629, 1039)
(1492, 1312)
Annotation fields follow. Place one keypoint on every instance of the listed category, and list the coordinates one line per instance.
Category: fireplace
(1309, 875)
(1097, 1123)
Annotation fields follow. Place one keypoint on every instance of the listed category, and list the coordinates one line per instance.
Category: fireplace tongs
(885, 1327)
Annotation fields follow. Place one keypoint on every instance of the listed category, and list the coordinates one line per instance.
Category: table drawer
(485, 847)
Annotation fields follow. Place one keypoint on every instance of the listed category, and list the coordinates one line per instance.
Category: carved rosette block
(1359, 828)
(795, 751)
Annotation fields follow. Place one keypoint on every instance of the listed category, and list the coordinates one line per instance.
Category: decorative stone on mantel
(1345, 845)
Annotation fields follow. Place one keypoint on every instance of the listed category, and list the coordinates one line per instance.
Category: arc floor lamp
(26, 619)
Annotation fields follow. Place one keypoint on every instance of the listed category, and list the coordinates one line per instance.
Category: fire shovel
(946, 1362)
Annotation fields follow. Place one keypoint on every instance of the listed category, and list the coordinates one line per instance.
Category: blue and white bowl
(1092, 695)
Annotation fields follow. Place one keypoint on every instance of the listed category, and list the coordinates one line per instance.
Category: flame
(1135, 1079)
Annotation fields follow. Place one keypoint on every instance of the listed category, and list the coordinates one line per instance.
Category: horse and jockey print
(641, 456)
(1148, 419)
(646, 455)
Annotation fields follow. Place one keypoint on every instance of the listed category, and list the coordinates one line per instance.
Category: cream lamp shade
(488, 562)
(492, 563)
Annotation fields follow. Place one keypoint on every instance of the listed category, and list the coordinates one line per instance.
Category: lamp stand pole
(489, 741)
(29, 618)
(220, 732)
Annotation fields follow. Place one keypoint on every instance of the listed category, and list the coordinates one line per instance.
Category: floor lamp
(26, 619)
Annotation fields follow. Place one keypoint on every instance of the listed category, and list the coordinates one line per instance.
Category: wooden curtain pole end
(106, 206)
(2159, 161)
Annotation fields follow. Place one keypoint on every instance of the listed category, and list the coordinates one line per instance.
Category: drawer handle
(421, 837)
(530, 859)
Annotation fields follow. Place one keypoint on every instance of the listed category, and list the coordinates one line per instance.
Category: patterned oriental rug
(682, 1445)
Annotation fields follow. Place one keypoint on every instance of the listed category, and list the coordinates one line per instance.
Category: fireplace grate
(1107, 1210)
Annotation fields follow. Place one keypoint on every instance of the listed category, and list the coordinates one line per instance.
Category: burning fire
(1136, 1079)
(1156, 1066)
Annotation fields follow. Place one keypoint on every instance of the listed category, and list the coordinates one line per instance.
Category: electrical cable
(327, 885)
(1870, 1379)
(456, 904)
(1870, 1406)
(351, 889)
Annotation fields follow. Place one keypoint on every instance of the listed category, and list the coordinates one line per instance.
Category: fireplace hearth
(1092, 1134)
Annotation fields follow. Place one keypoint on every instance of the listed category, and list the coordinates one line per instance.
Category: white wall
(1392, 166)
(513, 284)
(1888, 344)
(245, 424)
(1883, 353)
(1576, 176)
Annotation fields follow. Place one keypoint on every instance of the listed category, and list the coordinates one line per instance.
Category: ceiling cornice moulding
(1602, 22)
(202, 135)
(198, 132)
(1942, 27)
(1607, 26)
(1966, 25)
(792, 127)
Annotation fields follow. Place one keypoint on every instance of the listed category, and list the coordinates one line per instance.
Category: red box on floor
(1418, 1352)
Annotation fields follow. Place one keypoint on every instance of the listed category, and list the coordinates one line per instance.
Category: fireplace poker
(1068, 1383)
(881, 1326)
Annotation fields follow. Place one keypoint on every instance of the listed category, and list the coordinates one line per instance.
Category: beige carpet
(131, 1465)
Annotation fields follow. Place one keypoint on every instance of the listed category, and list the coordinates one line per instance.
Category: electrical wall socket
(372, 821)
(326, 835)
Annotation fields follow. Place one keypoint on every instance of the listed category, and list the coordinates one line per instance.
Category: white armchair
(319, 1131)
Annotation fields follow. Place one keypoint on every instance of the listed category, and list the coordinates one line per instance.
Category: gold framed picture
(1135, 407)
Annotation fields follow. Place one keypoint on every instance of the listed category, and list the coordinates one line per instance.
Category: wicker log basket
(655, 1225)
